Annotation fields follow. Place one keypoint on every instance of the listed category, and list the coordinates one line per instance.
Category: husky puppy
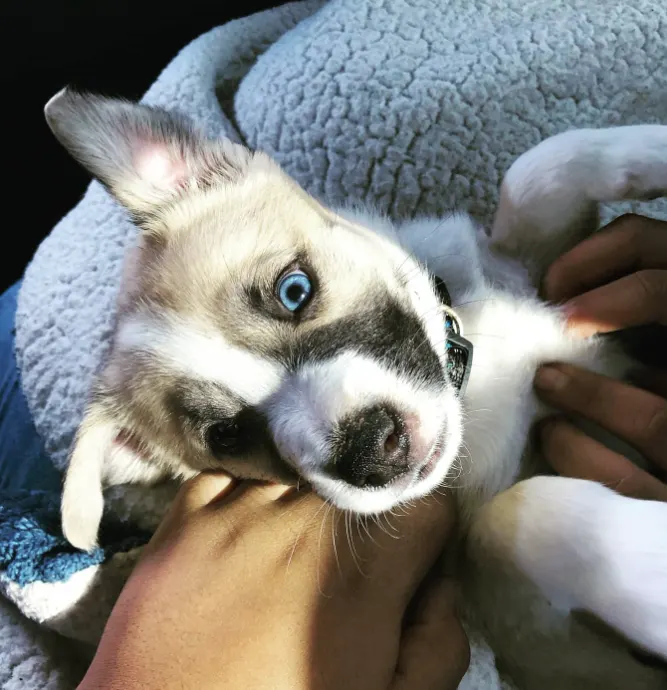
(254, 322)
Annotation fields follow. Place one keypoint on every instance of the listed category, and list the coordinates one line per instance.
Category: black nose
(371, 448)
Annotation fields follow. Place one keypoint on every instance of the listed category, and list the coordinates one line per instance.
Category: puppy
(253, 318)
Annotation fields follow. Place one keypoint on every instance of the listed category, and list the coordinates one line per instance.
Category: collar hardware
(459, 351)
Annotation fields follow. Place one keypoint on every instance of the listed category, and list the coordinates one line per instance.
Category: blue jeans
(23, 461)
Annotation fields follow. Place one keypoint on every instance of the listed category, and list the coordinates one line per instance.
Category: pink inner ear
(160, 167)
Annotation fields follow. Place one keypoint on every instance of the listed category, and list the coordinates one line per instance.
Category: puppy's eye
(224, 437)
(294, 290)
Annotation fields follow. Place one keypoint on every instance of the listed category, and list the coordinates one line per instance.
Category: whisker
(319, 547)
(355, 556)
(334, 534)
(367, 529)
(390, 528)
(409, 250)
(298, 536)
(468, 303)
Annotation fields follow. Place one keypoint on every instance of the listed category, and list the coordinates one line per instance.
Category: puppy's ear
(145, 156)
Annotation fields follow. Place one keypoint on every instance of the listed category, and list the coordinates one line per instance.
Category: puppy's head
(257, 332)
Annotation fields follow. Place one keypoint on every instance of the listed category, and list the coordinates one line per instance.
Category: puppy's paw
(550, 195)
(544, 208)
(587, 548)
(630, 585)
(81, 515)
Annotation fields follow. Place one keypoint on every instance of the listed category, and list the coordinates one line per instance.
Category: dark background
(116, 47)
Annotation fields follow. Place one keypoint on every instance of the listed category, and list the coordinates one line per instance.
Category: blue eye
(294, 290)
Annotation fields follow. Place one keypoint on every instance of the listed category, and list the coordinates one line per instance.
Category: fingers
(391, 552)
(615, 279)
(209, 489)
(405, 546)
(654, 381)
(628, 244)
(574, 454)
(634, 300)
(385, 556)
(631, 414)
(434, 652)
(204, 489)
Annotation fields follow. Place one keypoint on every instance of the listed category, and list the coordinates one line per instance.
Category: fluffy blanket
(417, 106)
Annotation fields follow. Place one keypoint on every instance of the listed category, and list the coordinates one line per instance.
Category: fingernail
(569, 307)
(583, 329)
(578, 324)
(571, 311)
(551, 378)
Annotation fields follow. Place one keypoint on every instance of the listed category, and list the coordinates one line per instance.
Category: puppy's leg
(549, 197)
(586, 548)
(82, 502)
(97, 461)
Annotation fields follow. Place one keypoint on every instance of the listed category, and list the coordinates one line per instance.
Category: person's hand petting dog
(614, 280)
(245, 586)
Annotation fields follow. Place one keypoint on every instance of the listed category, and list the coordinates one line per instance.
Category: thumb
(434, 652)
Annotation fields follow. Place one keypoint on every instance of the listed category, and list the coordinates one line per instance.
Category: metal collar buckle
(459, 351)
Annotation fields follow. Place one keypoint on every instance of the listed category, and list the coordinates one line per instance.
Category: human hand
(631, 414)
(245, 586)
(613, 280)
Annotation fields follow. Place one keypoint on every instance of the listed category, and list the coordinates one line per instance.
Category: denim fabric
(24, 464)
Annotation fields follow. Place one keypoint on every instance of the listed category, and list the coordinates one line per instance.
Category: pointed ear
(145, 156)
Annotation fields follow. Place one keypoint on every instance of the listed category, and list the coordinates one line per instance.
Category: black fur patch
(388, 334)
(205, 409)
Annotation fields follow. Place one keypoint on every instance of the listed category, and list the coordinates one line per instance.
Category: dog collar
(459, 351)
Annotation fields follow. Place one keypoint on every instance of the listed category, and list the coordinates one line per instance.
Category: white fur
(306, 409)
(549, 197)
(627, 594)
(195, 351)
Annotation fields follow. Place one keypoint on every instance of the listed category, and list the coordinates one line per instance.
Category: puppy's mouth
(433, 457)
(427, 468)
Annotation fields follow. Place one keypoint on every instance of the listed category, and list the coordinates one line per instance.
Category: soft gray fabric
(32, 658)
(415, 105)
(419, 106)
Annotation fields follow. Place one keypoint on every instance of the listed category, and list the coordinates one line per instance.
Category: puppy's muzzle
(370, 448)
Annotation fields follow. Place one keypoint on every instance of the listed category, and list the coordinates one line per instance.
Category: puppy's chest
(512, 337)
